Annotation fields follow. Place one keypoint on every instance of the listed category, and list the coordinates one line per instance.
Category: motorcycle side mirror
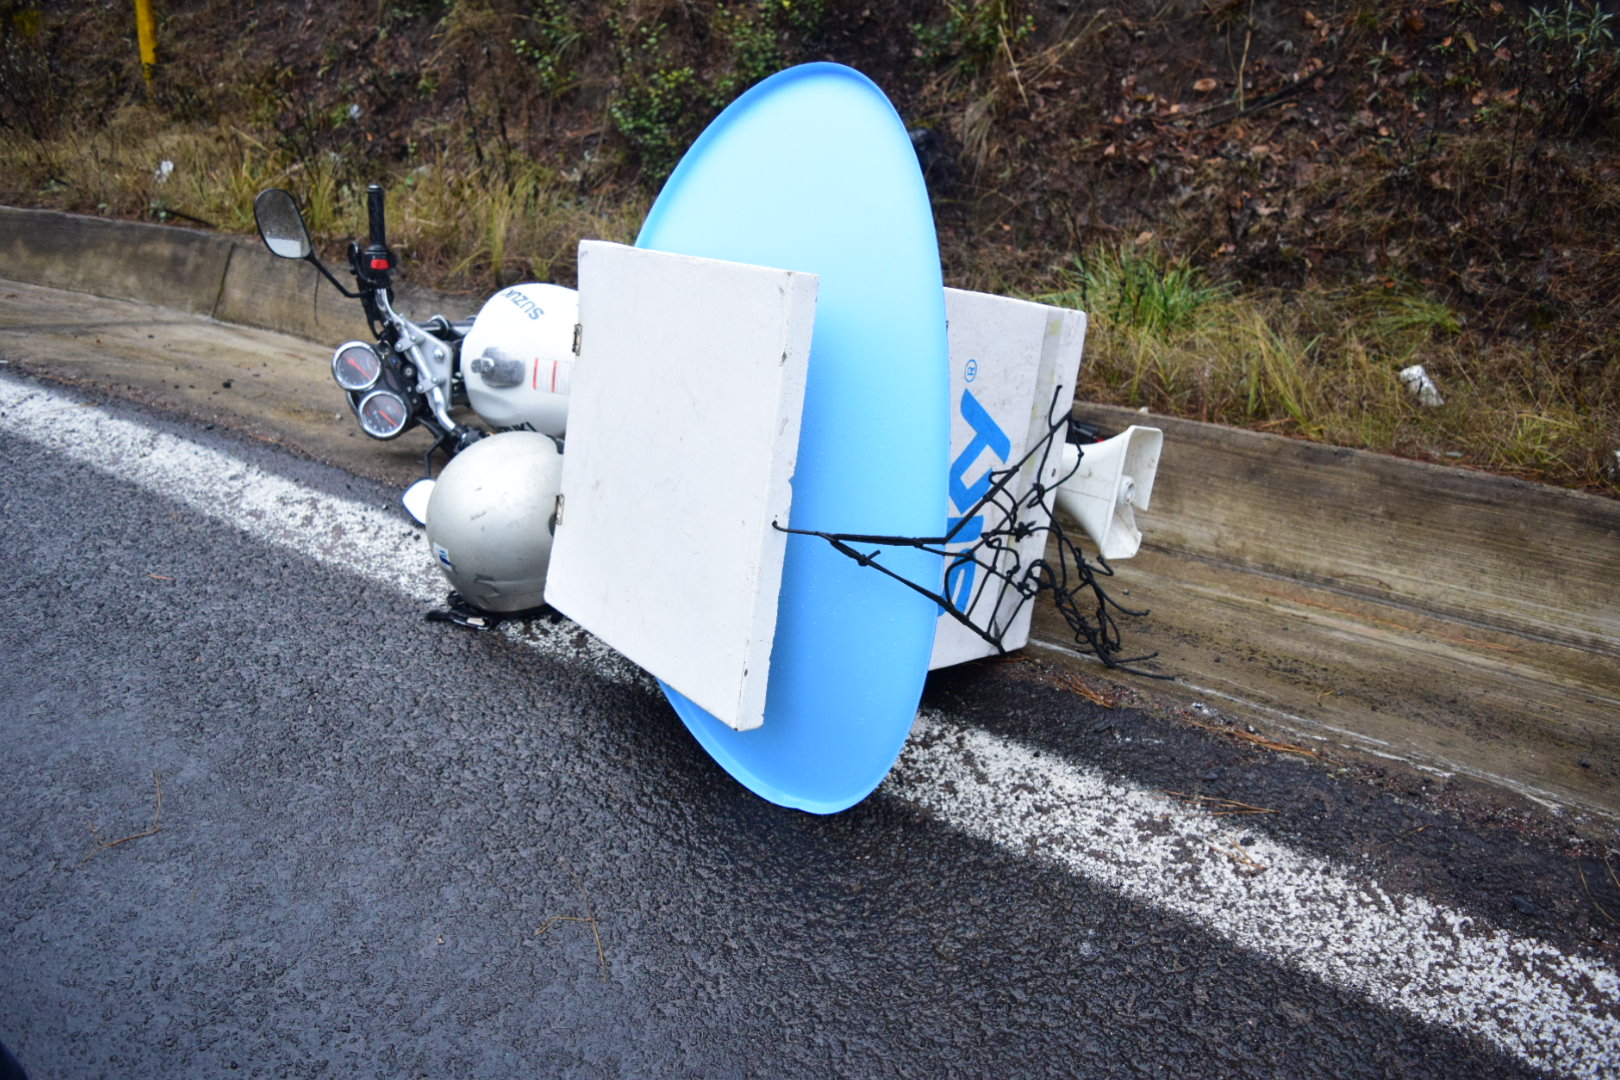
(416, 499)
(281, 226)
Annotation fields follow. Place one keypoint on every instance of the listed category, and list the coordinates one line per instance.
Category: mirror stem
(314, 261)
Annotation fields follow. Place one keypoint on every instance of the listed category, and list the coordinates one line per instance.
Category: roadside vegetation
(1269, 210)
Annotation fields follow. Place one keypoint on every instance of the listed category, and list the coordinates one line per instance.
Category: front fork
(433, 359)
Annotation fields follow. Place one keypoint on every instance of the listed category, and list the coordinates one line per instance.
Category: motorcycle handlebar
(374, 208)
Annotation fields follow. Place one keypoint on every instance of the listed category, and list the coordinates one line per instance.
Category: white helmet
(491, 517)
(518, 360)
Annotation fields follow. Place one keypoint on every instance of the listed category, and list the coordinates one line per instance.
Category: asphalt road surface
(264, 819)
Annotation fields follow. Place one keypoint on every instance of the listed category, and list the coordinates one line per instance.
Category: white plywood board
(683, 434)
(1010, 360)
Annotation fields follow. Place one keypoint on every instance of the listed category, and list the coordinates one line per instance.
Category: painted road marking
(1555, 1012)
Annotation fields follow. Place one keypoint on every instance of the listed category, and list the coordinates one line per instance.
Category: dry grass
(461, 224)
(475, 227)
(1323, 365)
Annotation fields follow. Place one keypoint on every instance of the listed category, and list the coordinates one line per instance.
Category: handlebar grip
(374, 209)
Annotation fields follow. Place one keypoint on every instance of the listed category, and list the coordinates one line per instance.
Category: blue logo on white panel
(987, 435)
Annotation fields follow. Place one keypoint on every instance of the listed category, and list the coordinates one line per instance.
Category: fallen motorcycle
(512, 364)
(800, 472)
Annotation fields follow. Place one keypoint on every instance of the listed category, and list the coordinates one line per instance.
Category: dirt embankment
(1464, 153)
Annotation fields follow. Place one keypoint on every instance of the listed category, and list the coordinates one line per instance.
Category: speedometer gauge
(383, 414)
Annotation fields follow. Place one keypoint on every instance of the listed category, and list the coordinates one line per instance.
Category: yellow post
(146, 33)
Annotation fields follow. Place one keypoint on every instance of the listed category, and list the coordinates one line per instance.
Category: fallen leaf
(1204, 86)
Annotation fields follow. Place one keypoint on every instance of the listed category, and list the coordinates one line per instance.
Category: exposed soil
(1278, 144)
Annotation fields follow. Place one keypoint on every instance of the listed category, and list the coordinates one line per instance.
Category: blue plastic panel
(812, 170)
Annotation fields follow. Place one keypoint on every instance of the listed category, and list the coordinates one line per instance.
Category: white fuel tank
(518, 360)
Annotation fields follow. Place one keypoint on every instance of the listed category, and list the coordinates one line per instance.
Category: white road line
(1555, 1012)
(377, 544)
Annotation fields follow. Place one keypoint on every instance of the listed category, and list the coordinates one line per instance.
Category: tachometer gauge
(356, 366)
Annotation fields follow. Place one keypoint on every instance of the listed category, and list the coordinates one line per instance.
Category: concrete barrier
(1484, 549)
(257, 290)
(232, 279)
(176, 268)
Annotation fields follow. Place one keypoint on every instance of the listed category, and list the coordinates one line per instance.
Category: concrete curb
(228, 278)
(1477, 548)
(174, 268)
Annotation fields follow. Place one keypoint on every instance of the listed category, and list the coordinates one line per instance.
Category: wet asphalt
(367, 820)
